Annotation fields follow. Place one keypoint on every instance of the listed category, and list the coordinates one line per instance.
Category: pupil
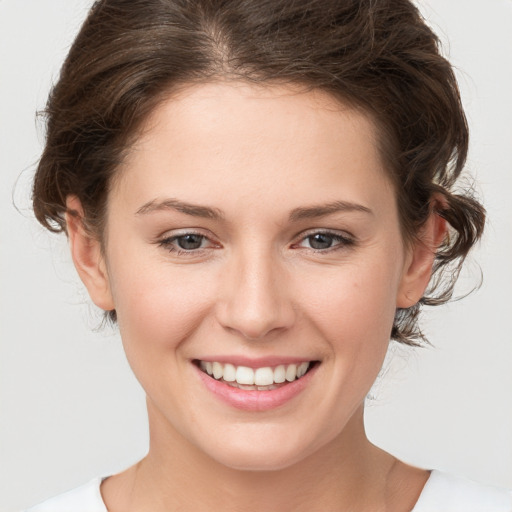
(190, 242)
(320, 241)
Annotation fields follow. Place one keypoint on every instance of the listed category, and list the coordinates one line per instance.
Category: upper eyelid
(334, 232)
(343, 240)
(168, 243)
(170, 236)
(176, 233)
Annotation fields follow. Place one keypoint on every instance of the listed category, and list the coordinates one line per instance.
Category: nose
(255, 299)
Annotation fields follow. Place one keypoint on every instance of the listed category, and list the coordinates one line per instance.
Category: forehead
(215, 141)
(221, 106)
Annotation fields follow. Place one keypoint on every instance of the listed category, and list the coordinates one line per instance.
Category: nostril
(253, 300)
(254, 325)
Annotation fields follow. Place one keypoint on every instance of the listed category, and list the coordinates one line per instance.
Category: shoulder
(454, 494)
(86, 498)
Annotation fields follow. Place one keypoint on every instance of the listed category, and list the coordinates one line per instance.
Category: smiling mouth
(255, 379)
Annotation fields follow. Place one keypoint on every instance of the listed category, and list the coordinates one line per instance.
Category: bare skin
(334, 479)
(299, 254)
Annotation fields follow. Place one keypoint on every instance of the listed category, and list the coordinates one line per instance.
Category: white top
(442, 493)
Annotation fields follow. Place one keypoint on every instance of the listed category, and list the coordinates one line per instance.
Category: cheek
(158, 306)
(354, 303)
(354, 310)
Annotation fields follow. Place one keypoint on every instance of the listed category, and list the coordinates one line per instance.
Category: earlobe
(419, 261)
(87, 256)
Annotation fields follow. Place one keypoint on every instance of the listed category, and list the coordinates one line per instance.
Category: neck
(347, 473)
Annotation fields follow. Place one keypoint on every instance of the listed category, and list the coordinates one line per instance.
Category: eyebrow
(322, 210)
(188, 208)
(301, 213)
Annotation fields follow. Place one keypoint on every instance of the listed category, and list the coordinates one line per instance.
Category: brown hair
(378, 55)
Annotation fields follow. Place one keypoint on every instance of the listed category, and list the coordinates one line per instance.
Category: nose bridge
(255, 300)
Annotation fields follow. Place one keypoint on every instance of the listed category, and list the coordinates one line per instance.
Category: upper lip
(255, 362)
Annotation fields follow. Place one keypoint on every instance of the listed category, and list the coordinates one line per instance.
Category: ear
(419, 260)
(87, 256)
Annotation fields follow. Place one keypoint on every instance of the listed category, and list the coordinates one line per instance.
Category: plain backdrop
(70, 408)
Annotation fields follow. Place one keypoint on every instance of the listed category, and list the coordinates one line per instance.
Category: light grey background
(70, 408)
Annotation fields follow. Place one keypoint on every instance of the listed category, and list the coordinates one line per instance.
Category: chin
(258, 461)
(268, 452)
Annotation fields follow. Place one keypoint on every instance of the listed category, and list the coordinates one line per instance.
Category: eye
(324, 240)
(190, 241)
(187, 243)
(321, 240)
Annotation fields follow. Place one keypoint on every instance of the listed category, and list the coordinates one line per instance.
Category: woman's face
(252, 229)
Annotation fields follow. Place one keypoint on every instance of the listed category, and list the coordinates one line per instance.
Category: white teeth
(244, 375)
(246, 387)
(218, 370)
(260, 378)
(279, 374)
(264, 377)
(291, 372)
(302, 369)
(229, 373)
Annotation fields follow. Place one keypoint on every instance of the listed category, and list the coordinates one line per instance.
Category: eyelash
(168, 244)
(343, 242)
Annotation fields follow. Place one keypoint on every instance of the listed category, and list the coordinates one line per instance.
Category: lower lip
(253, 400)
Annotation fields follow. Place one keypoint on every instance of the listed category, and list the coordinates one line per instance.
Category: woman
(261, 195)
